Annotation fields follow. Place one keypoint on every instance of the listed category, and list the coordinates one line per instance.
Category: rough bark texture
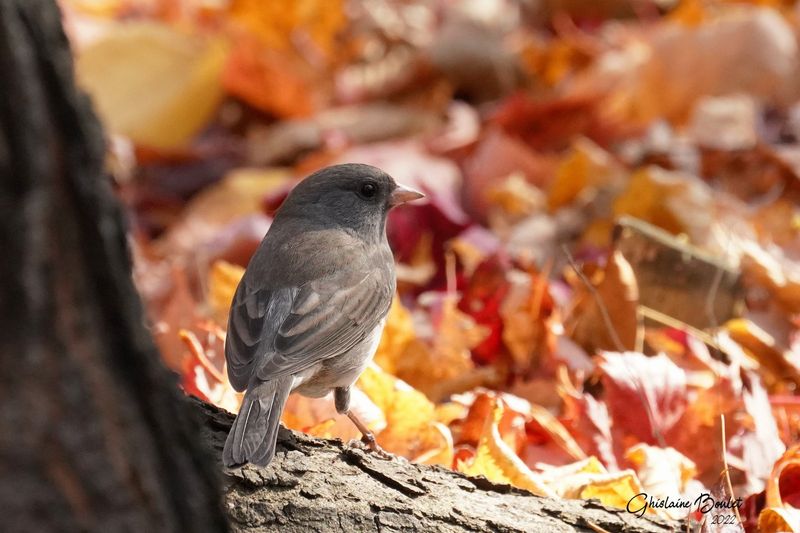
(324, 485)
(93, 432)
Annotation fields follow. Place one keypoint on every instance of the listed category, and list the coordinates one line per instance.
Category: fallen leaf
(724, 123)
(525, 311)
(204, 378)
(589, 423)
(616, 489)
(411, 429)
(278, 25)
(585, 167)
(769, 267)
(223, 280)
(496, 461)
(663, 473)
(757, 441)
(318, 416)
(555, 477)
(750, 50)
(606, 317)
(646, 396)
(673, 201)
(783, 489)
(484, 294)
(498, 156)
(155, 84)
(776, 362)
(269, 80)
(556, 431)
(442, 365)
(589, 479)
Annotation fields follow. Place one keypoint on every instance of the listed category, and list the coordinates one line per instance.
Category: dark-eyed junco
(310, 309)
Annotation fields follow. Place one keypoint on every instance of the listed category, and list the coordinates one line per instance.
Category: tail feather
(255, 430)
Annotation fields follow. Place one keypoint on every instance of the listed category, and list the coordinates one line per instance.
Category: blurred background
(608, 259)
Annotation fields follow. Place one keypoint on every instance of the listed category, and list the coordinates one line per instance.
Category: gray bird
(308, 314)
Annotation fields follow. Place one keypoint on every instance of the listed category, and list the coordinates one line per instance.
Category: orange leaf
(278, 24)
(779, 515)
(607, 318)
(496, 461)
(268, 80)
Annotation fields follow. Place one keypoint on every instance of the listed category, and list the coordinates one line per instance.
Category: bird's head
(353, 196)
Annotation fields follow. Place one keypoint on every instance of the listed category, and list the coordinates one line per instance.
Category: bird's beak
(402, 195)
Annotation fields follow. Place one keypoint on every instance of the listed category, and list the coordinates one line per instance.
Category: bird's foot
(368, 438)
(368, 443)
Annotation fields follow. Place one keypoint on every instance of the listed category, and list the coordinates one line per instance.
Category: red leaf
(645, 395)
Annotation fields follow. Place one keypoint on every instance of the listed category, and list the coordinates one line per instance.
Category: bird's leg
(341, 398)
(367, 437)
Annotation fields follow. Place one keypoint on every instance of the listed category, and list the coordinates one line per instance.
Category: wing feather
(275, 332)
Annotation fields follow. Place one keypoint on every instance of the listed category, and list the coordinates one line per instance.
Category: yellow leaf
(615, 490)
(669, 200)
(586, 166)
(556, 477)
(397, 334)
(411, 428)
(152, 83)
(222, 282)
(514, 197)
(779, 520)
(589, 479)
(97, 8)
(442, 367)
(775, 360)
(497, 462)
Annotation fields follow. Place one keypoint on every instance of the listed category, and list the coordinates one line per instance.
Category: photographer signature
(704, 503)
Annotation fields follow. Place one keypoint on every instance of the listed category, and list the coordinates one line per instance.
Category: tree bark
(325, 485)
(93, 432)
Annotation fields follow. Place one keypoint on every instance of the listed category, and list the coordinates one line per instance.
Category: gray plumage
(309, 311)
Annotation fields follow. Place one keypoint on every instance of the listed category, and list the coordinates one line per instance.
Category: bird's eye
(368, 190)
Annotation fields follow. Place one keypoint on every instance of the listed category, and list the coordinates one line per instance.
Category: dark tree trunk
(93, 432)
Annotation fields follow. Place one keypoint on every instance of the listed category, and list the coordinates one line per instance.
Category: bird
(308, 313)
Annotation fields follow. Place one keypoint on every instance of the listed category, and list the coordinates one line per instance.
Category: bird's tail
(255, 430)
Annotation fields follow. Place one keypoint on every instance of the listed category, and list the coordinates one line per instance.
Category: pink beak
(402, 195)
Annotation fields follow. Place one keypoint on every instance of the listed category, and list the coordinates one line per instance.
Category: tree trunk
(324, 485)
(93, 432)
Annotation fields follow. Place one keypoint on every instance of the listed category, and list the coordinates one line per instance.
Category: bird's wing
(254, 318)
(321, 319)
